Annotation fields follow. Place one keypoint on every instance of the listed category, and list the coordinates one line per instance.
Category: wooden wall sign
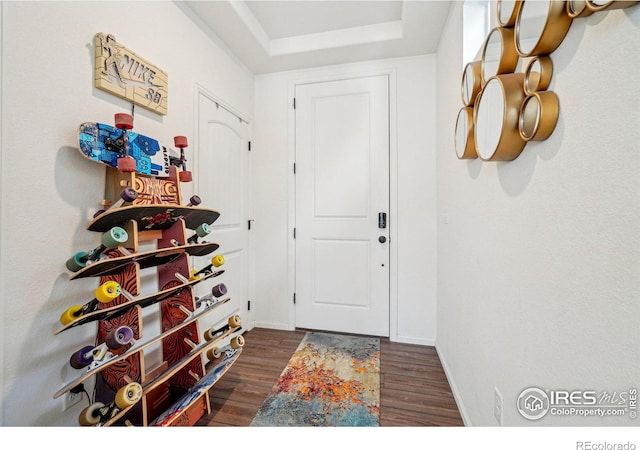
(121, 72)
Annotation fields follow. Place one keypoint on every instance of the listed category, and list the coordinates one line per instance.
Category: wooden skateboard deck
(142, 302)
(92, 369)
(150, 258)
(164, 376)
(153, 217)
(151, 158)
(172, 415)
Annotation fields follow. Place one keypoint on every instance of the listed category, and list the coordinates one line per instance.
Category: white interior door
(342, 188)
(222, 182)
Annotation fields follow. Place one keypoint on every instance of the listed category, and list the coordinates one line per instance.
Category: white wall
(539, 264)
(49, 191)
(413, 244)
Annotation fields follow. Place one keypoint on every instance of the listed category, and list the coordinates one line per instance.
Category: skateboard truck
(128, 195)
(216, 261)
(120, 144)
(181, 143)
(194, 201)
(94, 356)
(201, 232)
(217, 291)
(111, 239)
(105, 293)
(98, 413)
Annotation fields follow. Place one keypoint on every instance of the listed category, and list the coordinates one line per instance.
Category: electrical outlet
(497, 405)
(72, 398)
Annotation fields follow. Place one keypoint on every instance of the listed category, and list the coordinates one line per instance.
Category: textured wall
(539, 263)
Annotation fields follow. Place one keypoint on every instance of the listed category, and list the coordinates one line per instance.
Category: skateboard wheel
(209, 334)
(237, 342)
(124, 121)
(91, 414)
(70, 314)
(235, 321)
(194, 200)
(203, 230)
(115, 237)
(219, 290)
(128, 395)
(126, 164)
(194, 275)
(119, 337)
(82, 358)
(185, 176)
(217, 260)
(128, 194)
(76, 262)
(180, 141)
(214, 353)
(107, 292)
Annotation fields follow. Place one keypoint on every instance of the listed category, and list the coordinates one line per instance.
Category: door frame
(199, 90)
(337, 74)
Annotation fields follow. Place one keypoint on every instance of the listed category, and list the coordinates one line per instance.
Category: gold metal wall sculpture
(504, 109)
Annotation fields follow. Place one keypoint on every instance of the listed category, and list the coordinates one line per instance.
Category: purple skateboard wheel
(119, 337)
(128, 194)
(219, 290)
(82, 358)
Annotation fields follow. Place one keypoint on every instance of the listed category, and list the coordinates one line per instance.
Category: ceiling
(275, 35)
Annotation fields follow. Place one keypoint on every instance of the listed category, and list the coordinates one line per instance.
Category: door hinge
(249, 224)
(294, 233)
(294, 103)
(248, 305)
(294, 168)
(294, 298)
(249, 145)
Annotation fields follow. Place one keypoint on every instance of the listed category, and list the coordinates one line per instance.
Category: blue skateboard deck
(96, 142)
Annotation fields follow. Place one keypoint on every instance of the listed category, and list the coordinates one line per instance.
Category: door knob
(382, 239)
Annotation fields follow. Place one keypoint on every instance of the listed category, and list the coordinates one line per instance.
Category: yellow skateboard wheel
(90, 415)
(217, 261)
(128, 395)
(237, 342)
(235, 321)
(209, 334)
(107, 292)
(194, 275)
(70, 314)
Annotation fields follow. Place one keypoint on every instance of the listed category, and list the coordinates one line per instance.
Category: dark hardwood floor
(414, 390)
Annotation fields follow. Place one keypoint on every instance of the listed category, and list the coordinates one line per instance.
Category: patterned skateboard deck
(138, 346)
(172, 415)
(142, 302)
(164, 376)
(151, 158)
(151, 258)
(153, 217)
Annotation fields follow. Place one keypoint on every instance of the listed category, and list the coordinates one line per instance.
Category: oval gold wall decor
(471, 83)
(600, 5)
(508, 11)
(578, 8)
(538, 115)
(465, 142)
(510, 109)
(496, 115)
(499, 53)
(537, 74)
(540, 27)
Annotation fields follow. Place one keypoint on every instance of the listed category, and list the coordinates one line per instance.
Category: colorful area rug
(331, 380)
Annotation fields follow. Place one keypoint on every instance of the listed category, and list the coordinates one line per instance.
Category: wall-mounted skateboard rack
(142, 206)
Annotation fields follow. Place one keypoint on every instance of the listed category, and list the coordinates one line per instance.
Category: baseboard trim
(413, 340)
(274, 326)
(454, 388)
